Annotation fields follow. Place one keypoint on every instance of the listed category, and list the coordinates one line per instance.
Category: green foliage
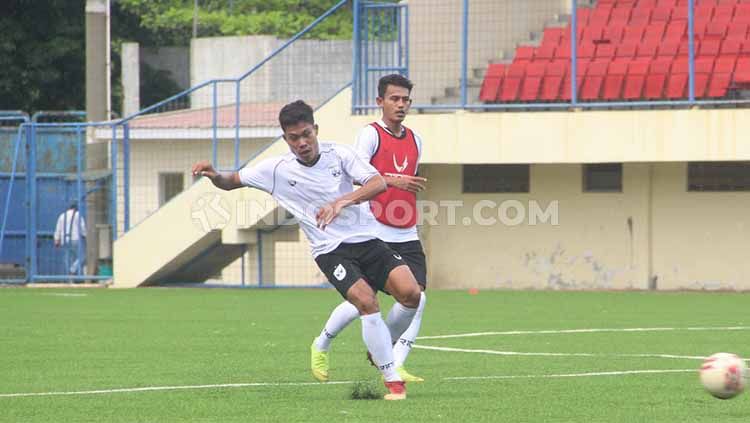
(282, 18)
(42, 55)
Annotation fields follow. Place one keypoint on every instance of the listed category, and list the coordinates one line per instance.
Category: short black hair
(294, 113)
(393, 79)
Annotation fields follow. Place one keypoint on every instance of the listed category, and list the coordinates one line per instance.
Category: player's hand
(327, 213)
(406, 182)
(204, 168)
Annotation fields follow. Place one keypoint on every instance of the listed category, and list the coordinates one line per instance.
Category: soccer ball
(724, 375)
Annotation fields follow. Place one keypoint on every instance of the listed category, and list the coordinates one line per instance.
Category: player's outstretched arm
(223, 180)
(370, 189)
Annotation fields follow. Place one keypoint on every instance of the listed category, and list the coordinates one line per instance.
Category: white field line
(563, 331)
(549, 354)
(564, 375)
(64, 294)
(283, 384)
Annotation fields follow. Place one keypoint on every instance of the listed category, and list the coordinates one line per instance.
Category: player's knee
(410, 297)
(366, 302)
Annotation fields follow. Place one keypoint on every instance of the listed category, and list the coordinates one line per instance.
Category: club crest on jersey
(340, 272)
(335, 171)
(403, 166)
(292, 182)
(397, 256)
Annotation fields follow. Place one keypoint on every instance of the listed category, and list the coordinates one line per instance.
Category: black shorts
(413, 253)
(370, 260)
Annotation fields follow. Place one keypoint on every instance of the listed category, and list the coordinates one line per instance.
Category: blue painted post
(126, 176)
(242, 267)
(365, 92)
(464, 53)
(79, 188)
(31, 201)
(691, 52)
(10, 184)
(214, 140)
(574, 54)
(113, 186)
(355, 58)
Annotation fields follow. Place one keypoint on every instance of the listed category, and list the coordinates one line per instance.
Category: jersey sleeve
(260, 176)
(367, 143)
(359, 170)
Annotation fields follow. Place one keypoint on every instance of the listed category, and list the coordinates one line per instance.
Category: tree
(42, 55)
(282, 18)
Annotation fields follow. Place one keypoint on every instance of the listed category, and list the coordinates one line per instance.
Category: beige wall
(690, 240)
(495, 26)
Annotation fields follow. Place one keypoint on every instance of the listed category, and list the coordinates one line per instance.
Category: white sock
(405, 342)
(341, 316)
(399, 318)
(378, 342)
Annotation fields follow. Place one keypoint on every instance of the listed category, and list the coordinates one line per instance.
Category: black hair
(294, 113)
(393, 79)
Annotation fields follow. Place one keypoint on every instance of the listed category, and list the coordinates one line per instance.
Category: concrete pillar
(98, 108)
(131, 79)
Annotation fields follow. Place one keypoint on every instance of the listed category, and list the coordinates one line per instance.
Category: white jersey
(302, 190)
(70, 227)
(366, 146)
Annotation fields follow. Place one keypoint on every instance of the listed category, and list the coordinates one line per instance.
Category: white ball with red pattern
(724, 375)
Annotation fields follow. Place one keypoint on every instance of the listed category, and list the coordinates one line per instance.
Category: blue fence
(43, 172)
(483, 55)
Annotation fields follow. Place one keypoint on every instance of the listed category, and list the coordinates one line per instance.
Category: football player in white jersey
(394, 150)
(314, 183)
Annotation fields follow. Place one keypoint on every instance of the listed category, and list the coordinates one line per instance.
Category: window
(170, 184)
(718, 176)
(496, 178)
(602, 177)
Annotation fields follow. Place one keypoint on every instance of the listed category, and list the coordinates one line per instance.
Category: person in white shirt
(394, 150)
(314, 183)
(70, 234)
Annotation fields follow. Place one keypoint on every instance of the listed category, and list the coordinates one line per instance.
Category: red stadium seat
(552, 36)
(563, 51)
(725, 64)
(605, 51)
(710, 47)
(493, 79)
(737, 30)
(533, 81)
(724, 12)
(677, 85)
(524, 53)
(636, 79)
(742, 72)
(626, 50)
(668, 49)
(719, 85)
(633, 34)
(592, 83)
(583, 15)
(613, 34)
(512, 84)
(654, 32)
(701, 84)
(546, 52)
(731, 47)
(716, 30)
(566, 89)
(675, 31)
(661, 14)
(647, 50)
(656, 79)
(586, 50)
(640, 17)
(552, 81)
(742, 13)
(613, 83)
(680, 13)
(621, 14)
